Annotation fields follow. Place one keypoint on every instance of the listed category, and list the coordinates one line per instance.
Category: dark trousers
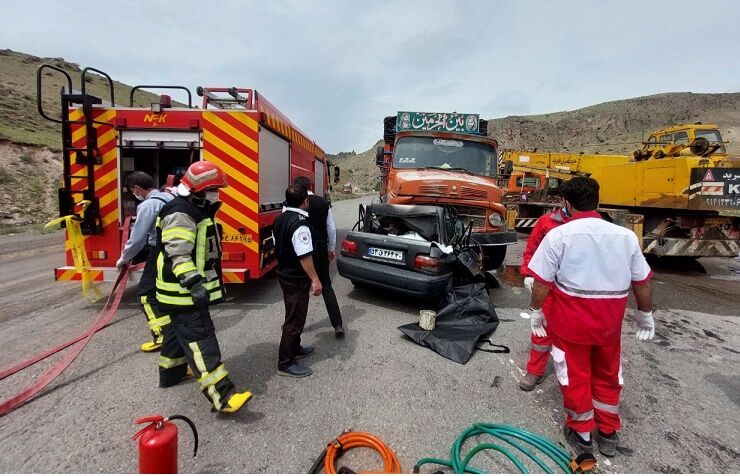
(147, 292)
(295, 294)
(191, 341)
(321, 263)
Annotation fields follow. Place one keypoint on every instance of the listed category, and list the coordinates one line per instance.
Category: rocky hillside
(30, 158)
(609, 128)
(619, 126)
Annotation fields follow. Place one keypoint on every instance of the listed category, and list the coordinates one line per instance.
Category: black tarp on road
(467, 316)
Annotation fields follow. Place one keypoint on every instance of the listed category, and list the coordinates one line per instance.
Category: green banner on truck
(437, 121)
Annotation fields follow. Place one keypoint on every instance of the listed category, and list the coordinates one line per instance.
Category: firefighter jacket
(188, 244)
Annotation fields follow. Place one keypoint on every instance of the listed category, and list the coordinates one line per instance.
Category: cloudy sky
(336, 68)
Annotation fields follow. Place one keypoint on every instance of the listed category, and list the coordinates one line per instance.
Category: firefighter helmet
(201, 176)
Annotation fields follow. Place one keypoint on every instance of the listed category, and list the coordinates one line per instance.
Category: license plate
(387, 254)
(718, 221)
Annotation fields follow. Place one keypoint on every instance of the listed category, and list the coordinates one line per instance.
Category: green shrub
(26, 159)
(5, 177)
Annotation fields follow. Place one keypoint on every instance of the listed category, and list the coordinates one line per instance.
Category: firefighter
(540, 346)
(324, 242)
(297, 275)
(188, 282)
(587, 266)
(142, 241)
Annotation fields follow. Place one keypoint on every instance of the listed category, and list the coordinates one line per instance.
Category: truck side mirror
(379, 156)
(508, 167)
(336, 174)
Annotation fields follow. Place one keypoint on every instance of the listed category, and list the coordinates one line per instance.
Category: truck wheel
(493, 257)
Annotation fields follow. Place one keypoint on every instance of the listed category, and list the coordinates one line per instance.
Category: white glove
(120, 264)
(529, 283)
(645, 324)
(538, 322)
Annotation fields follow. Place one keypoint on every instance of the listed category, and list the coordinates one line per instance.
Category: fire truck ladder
(91, 221)
(233, 101)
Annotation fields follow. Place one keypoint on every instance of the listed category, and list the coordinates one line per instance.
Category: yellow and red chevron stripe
(105, 174)
(70, 274)
(230, 140)
(287, 131)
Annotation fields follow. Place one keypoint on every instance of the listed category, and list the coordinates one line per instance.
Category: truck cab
(447, 160)
(698, 139)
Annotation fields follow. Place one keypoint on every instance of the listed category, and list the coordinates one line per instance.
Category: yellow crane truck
(680, 193)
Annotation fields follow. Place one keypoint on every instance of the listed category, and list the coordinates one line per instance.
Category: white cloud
(338, 67)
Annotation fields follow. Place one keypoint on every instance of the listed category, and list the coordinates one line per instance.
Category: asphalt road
(680, 402)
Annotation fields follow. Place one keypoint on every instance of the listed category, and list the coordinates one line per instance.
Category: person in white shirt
(588, 266)
(324, 241)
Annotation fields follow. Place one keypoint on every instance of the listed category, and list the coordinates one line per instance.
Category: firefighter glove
(529, 283)
(644, 323)
(198, 292)
(538, 322)
(200, 295)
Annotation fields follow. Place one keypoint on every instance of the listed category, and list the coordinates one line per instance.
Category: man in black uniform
(324, 240)
(292, 235)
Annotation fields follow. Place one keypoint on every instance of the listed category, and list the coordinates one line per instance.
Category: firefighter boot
(153, 345)
(236, 401)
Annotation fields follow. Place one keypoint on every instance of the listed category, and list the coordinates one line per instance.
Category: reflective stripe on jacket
(189, 244)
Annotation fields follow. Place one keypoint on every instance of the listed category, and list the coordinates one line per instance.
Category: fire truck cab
(238, 129)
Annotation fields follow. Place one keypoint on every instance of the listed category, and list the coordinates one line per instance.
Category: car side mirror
(379, 156)
(336, 174)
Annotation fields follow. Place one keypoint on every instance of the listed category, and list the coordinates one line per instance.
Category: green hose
(512, 436)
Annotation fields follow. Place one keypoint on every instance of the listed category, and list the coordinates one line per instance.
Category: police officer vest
(289, 265)
(318, 211)
(206, 256)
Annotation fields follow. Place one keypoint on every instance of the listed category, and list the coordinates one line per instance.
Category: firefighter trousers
(590, 378)
(191, 341)
(156, 319)
(539, 354)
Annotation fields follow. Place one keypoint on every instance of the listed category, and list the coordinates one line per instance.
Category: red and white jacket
(590, 265)
(544, 224)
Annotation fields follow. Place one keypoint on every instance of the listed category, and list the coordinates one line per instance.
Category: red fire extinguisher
(158, 444)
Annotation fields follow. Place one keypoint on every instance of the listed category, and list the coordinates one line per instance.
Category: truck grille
(469, 192)
(433, 189)
(474, 215)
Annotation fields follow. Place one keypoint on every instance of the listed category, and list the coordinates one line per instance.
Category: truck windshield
(445, 154)
(713, 136)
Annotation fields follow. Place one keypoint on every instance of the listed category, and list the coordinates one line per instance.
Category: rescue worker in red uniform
(540, 348)
(588, 266)
(189, 281)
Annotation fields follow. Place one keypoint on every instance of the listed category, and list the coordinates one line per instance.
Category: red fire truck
(238, 129)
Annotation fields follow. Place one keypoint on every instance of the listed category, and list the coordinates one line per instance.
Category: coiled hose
(513, 437)
(355, 439)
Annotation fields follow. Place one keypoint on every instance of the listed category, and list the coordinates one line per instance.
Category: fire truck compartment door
(166, 139)
(274, 167)
(318, 178)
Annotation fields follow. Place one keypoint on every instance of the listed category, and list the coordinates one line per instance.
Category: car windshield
(445, 154)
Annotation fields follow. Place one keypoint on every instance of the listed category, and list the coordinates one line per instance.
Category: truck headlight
(495, 220)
